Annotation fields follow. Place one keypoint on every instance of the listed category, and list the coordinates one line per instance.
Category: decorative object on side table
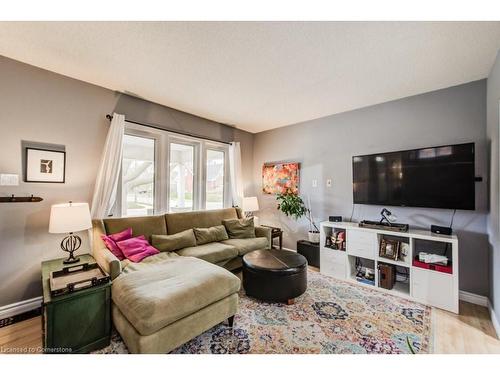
(389, 249)
(69, 218)
(45, 165)
(73, 278)
(280, 178)
(249, 206)
(292, 205)
(77, 321)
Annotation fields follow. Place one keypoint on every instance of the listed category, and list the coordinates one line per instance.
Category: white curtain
(109, 170)
(235, 173)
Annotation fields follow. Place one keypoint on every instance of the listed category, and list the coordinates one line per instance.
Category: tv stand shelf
(430, 287)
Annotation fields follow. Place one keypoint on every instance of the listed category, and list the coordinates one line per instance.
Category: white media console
(427, 286)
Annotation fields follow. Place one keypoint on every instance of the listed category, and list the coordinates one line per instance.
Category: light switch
(9, 179)
(329, 183)
(315, 183)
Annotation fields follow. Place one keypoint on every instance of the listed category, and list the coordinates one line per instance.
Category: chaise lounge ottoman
(160, 305)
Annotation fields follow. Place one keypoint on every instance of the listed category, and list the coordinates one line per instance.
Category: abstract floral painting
(280, 178)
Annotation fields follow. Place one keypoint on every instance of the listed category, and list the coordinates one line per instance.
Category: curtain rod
(110, 117)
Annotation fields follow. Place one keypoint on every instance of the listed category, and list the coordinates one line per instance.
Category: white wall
(493, 108)
(325, 146)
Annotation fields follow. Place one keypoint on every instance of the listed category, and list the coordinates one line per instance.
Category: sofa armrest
(108, 262)
(264, 232)
(105, 258)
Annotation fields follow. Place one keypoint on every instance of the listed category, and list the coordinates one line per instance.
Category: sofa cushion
(213, 252)
(141, 225)
(111, 240)
(173, 242)
(177, 222)
(240, 228)
(245, 245)
(137, 248)
(158, 294)
(212, 234)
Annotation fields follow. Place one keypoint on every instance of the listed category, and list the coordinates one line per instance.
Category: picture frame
(281, 178)
(389, 249)
(45, 166)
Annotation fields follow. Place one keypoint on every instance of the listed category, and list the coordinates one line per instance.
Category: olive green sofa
(172, 297)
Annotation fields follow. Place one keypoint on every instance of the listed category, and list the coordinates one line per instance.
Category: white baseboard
(286, 248)
(476, 299)
(494, 319)
(8, 311)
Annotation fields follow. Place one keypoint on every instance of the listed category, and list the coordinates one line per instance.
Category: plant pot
(313, 236)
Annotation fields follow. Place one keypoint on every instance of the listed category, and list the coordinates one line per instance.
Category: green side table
(79, 322)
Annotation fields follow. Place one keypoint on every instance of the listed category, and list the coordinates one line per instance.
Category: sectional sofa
(169, 298)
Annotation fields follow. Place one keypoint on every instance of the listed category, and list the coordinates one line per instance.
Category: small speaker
(441, 230)
(335, 219)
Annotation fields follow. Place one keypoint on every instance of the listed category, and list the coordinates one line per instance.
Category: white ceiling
(260, 75)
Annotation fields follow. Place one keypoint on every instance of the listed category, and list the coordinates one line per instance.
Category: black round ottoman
(274, 275)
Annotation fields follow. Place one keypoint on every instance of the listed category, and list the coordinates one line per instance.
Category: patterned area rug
(331, 317)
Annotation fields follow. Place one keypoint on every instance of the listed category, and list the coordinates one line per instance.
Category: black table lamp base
(70, 244)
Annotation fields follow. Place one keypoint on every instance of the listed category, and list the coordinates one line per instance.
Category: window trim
(163, 139)
(226, 200)
(196, 173)
(118, 209)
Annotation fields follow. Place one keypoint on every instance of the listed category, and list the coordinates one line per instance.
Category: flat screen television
(434, 177)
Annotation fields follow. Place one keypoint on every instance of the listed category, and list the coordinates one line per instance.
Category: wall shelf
(14, 199)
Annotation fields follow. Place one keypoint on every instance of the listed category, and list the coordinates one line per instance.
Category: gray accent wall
(40, 106)
(325, 146)
(493, 121)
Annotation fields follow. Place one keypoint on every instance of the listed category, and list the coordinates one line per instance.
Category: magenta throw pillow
(112, 239)
(136, 249)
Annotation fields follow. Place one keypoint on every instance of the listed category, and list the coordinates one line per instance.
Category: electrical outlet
(315, 183)
(328, 183)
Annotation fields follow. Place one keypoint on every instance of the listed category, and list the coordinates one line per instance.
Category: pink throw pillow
(136, 248)
(112, 239)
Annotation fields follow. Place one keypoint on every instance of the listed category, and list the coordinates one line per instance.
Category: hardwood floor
(22, 337)
(471, 332)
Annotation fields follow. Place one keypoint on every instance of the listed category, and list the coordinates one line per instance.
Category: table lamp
(69, 218)
(249, 206)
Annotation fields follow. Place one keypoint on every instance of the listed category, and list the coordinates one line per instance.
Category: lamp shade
(250, 204)
(69, 217)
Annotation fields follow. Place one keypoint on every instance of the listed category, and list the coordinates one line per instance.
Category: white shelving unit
(429, 287)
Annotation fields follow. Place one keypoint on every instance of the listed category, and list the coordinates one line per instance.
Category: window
(214, 197)
(138, 176)
(181, 186)
(166, 172)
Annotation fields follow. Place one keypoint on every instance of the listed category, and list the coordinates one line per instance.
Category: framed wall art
(45, 165)
(280, 178)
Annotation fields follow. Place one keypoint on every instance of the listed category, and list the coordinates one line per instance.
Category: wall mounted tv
(437, 177)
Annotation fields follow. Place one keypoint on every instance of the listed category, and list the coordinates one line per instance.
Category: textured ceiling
(260, 75)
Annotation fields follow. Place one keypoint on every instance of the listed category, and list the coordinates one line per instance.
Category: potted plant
(292, 205)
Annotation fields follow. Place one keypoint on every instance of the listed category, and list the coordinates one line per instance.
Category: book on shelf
(365, 281)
